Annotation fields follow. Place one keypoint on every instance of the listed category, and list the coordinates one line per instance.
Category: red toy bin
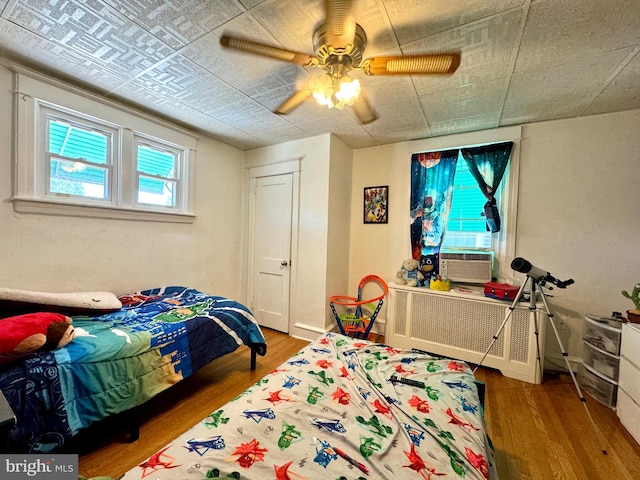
(501, 291)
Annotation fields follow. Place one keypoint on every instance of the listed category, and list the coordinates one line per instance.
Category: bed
(119, 360)
(341, 408)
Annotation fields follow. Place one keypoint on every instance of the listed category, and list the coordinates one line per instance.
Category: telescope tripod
(536, 284)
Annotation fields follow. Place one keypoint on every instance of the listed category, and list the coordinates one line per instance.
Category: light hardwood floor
(539, 432)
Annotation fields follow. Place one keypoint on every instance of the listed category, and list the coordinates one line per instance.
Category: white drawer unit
(597, 385)
(629, 379)
(601, 335)
(600, 367)
(601, 361)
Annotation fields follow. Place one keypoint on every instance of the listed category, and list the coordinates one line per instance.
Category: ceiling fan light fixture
(322, 89)
(334, 91)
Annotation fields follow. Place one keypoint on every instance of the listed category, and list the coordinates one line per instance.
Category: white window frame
(46, 111)
(180, 154)
(36, 97)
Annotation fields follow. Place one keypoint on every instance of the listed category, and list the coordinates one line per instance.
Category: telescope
(521, 265)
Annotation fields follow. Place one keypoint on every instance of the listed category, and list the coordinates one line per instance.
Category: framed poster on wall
(376, 201)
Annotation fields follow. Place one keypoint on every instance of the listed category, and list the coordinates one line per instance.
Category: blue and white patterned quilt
(120, 360)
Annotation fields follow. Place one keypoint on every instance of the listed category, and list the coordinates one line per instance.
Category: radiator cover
(462, 326)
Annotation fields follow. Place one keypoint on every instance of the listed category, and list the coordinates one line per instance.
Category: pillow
(16, 302)
(23, 335)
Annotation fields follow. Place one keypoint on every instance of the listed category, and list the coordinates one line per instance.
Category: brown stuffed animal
(25, 334)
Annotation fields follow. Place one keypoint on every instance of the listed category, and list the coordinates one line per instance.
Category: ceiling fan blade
(442, 63)
(340, 25)
(293, 102)
(363, 110)
(264, 50)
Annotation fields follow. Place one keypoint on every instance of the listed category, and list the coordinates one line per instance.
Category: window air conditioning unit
(466, 267)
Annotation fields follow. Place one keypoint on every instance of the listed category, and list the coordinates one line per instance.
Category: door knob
(284, 263)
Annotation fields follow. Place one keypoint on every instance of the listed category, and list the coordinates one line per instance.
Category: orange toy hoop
(357, 324)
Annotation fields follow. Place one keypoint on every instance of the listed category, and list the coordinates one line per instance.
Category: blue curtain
(487, 165)
(432, 176)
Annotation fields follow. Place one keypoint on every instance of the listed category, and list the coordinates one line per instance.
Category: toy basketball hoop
(358, 315)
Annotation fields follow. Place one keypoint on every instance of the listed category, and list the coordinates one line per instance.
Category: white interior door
(271, 259)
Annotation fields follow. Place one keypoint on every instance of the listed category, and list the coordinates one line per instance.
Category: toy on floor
(359, 315)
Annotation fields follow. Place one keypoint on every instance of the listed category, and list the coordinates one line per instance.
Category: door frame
(287, 167)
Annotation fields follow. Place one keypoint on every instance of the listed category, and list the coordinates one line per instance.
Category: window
(78, 156)
(466, 226)
(157, 168)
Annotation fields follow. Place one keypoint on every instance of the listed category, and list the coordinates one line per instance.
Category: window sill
(47, 207)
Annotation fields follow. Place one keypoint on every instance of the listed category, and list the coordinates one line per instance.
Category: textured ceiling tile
(372, 15)
(388, 89)
(250, 3)
(487, 49)
(291, 21)
(403, 114)
(250, 74)
(400, 135)
(247, 113)
(225, 133)
(623, 93)
(178, 22)
(467, 101)
(358, 141)
(243, 142)
(279, 135)
(468, 124)
(164, 105)
(566, 85)
(93, 30)
(272, 99)
(438, 16)
(561, 31)
(186, 82)
(309, 110)
(334, 120)
(538, 112)
(15, 41)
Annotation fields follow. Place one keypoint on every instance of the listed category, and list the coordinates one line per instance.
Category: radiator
(462, 326)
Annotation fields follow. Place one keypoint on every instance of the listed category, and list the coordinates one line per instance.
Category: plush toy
(410, 274)
(28, 333)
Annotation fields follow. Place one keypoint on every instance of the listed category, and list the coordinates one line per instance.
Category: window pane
(466, 227)
(75, 142)
(154, 191)
(156, 162)
(77, 178)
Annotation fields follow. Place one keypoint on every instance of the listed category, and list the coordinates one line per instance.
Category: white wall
(321, 264)
(338, 233)
(578, 212)
(56, 253)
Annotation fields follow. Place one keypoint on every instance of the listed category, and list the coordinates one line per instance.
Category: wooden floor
(539, 432)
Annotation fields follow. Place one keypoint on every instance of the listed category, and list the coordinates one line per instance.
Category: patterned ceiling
(522, 61)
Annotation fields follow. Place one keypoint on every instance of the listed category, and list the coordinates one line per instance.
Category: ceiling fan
(339, 44)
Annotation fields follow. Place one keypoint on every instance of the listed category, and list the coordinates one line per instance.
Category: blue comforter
(120, 360)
